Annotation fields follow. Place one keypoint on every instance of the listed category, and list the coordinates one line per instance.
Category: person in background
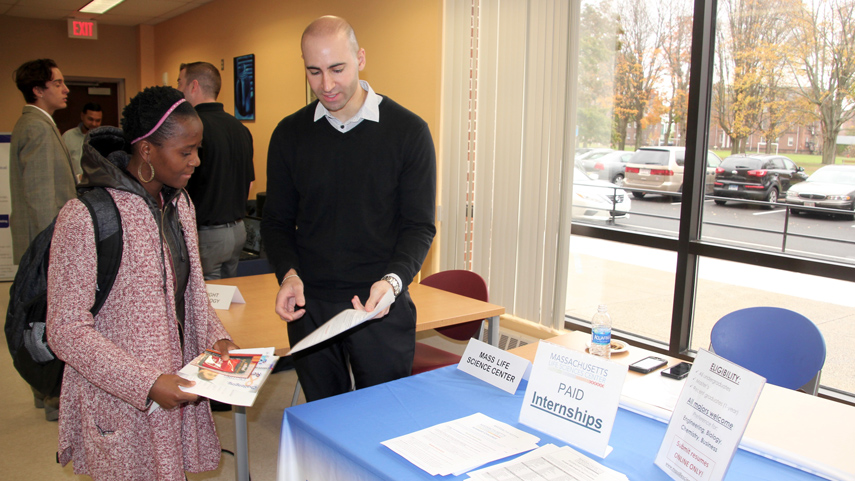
(40, 170)
(157, 317)
(220, 186)
(41, 177)
(90, 118)
(349, 216)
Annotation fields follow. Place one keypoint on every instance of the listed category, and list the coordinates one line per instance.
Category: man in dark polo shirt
(220, 185)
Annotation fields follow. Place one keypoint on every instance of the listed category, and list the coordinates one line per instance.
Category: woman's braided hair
(146, 109)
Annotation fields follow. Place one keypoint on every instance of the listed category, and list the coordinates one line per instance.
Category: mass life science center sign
(574, 397)
(493, 365)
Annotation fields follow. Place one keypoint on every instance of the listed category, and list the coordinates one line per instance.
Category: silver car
(609, 167)
(831, 186)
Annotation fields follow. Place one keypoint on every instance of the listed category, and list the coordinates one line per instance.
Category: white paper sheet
(654, 389)
(458, 446)
(548, 463)
(344, 320)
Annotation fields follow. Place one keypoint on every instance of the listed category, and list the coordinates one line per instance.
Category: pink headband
(162, 120)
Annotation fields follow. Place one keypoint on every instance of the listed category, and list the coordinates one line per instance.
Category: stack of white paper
(458, 446)
(548, 463)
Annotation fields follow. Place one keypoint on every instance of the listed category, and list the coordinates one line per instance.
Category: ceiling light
(100, 6)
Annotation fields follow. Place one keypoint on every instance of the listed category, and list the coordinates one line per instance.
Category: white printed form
(343, 321)
(549, 463)
(458, 446)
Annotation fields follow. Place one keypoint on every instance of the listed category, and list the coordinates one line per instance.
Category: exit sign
(82, 29)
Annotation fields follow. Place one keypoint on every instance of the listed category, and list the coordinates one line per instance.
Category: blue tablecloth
(339, 437)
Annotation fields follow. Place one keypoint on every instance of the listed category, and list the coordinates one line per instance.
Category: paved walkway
(637, 285)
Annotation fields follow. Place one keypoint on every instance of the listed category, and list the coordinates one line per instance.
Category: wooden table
(785, 423)
(256, 324)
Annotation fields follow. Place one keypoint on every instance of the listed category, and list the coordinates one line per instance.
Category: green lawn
(809, 162)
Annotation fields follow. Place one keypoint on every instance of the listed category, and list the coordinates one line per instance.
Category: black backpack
(25, 317)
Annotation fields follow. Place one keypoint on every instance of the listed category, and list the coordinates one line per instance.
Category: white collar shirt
(42, 111)
(370, 110)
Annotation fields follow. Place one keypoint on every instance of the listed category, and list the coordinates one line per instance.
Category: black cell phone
(679, 371)
(648, 364)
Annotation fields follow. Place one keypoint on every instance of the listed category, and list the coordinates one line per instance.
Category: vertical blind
(505, 145)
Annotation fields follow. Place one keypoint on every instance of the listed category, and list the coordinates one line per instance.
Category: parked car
(756, 177)
(831, 186)
(593, 154)
(661, 169)
(597, 199)
(609, 167)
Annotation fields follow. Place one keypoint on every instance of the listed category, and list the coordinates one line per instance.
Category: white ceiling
(128, 13)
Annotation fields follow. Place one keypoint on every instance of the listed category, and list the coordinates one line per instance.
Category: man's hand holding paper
(375, 298)
(347, 319)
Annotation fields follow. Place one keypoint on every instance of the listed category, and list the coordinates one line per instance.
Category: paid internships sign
(493, 365)
(573, 396)
(709, 419)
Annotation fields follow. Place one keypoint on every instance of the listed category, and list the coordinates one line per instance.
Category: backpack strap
(108, 240)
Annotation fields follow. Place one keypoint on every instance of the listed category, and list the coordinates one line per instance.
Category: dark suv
(756, 177)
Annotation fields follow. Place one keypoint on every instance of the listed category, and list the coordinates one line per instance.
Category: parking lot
(637, 283)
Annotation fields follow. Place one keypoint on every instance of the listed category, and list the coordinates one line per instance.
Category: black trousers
(377, 351)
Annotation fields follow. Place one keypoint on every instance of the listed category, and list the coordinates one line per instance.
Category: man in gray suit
(40, 170)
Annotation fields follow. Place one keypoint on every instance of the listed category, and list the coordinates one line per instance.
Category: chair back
(783, 346)
(464, 283)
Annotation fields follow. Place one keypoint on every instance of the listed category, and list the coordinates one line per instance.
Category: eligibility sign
(709, 419)
(573, 396)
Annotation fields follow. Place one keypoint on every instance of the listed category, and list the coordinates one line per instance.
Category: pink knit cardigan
(113, 360)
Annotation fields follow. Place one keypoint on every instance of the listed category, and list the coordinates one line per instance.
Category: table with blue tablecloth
(339, 438)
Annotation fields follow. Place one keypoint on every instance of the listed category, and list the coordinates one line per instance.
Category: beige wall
(402, 40)
(113, 55)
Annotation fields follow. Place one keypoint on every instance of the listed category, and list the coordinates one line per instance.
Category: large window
(670, 162)
(710, 236)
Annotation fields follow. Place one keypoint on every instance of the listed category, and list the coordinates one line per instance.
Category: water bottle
(601, 333)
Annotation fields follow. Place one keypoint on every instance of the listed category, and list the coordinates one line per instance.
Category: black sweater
(346, 209)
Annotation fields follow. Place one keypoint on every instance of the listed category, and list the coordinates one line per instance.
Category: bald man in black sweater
(351, 189)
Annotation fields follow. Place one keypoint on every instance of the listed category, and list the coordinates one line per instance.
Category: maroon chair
(464, 283)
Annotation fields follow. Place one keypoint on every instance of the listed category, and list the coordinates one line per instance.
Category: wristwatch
(396, 286)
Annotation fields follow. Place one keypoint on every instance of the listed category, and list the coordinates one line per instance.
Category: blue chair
(464, 283)
(783, 346)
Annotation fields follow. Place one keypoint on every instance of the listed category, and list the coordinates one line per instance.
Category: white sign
(7, 269)
(493, 365)
(573, 396)
(709, 419)
(221, 297)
